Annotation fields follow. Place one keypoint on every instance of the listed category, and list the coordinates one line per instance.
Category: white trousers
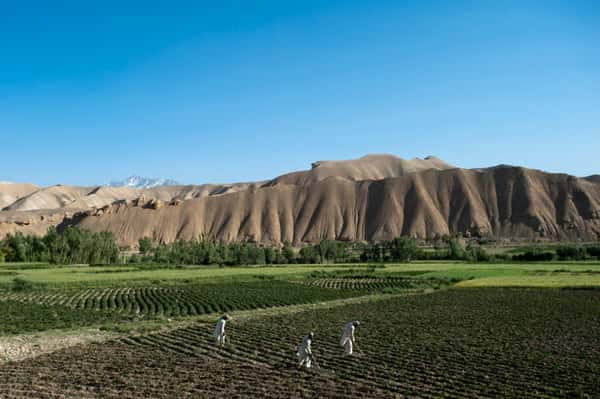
(305, 361)
(221, 339)
(348, 347)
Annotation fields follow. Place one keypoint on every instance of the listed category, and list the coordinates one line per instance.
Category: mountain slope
(371, 198)
(11, 192)
(71, 198)
(508, 202)
(593, 178)
(369, 167)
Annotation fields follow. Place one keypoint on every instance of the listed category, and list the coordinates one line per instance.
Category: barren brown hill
(32, 210)
(593, 178)
(371, 198)
(11, 192)
(502, 202)
(72, 197)
(369, 167)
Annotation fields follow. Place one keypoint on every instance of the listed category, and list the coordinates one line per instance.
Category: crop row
(457, 343)
(101, 304)
(19, 317)
(366, 283)
(427, 361)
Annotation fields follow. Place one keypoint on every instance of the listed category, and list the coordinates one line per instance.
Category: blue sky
(245, 90)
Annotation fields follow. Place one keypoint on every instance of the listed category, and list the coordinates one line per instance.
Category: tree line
(75, 246)
(400, 249)
(71, 246)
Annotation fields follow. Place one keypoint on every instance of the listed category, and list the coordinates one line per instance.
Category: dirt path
(19, 347)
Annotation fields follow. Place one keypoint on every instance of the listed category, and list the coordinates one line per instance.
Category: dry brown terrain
(369, 167)
(371, 198)
(593, 178)
(11, 192)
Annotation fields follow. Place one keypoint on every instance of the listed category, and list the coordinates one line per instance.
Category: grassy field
(124, 275)
(430, 329)
(548, 280)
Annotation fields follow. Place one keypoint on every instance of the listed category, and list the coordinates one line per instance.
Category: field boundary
(244, 315)
(25, 346)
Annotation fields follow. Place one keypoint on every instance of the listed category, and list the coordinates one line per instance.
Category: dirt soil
(20, 347)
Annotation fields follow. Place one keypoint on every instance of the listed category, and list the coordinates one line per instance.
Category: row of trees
(561, 252)
(71, 246)
(205, 252)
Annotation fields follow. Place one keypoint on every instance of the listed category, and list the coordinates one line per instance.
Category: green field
(82, 296)
(111, 275)
(431, 329)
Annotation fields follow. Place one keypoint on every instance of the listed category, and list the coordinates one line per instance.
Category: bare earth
(371, 198)
(24, 346)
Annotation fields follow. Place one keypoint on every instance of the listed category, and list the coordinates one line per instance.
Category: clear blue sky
(227, 91)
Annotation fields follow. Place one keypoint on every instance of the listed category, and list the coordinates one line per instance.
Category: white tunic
(348, 333)
(220, 327)
(304, 348)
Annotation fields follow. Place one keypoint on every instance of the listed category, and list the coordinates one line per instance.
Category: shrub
(477, 254)
(534, 255)
(145, 245)
(455, 250)
(571, 252)
(594, 251)
(20, 284)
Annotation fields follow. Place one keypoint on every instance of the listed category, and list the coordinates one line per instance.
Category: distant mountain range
(143, 182)
(376, 197)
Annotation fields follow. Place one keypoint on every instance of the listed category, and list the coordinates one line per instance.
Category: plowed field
(509, 343)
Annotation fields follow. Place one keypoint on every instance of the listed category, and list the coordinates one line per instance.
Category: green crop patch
(18, 317)
(375, 283)
(98, 305)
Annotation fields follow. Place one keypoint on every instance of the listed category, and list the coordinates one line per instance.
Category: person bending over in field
(220, 329)
(348, 341)
(305, 352)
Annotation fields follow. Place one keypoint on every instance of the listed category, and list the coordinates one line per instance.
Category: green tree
(476, 253)
(403, 249)
(270, 256)
(455, 249)
(309, 255)
(145, 245)
(288, 254)
(571, 252)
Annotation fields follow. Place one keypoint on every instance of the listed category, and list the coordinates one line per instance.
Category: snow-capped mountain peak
(143, 182)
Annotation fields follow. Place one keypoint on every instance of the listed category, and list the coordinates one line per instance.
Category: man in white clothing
(348, 340)
(305, 352)
(220, 329)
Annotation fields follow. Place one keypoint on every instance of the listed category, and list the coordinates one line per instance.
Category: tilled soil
(503, 343)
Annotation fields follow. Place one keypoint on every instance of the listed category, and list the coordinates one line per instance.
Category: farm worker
(348, 340)
(220, 329)
(305, 352)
